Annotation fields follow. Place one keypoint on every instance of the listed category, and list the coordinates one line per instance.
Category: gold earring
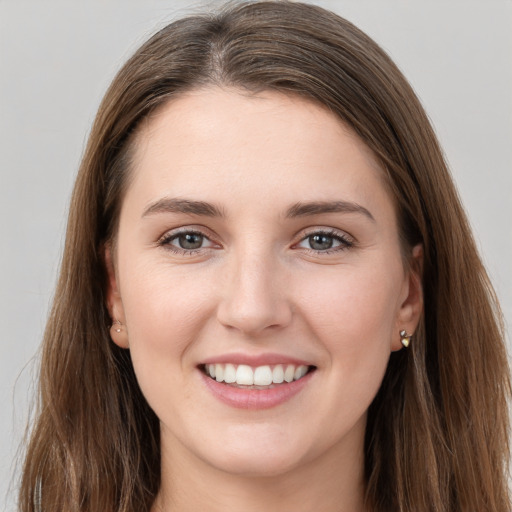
(405, 338)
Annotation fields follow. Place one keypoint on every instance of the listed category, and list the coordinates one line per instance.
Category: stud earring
(405, 338)
(119, 324)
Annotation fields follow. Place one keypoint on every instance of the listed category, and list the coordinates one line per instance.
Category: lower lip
(242, 398)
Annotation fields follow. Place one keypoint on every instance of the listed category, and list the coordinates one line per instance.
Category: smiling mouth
(260, 377)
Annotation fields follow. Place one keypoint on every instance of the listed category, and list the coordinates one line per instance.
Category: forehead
(212, 141)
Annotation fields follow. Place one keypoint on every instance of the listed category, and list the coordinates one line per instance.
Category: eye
(326, 242)
(189, 241)
(186, 242)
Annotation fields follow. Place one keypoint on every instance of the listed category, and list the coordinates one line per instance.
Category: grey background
(58, 57)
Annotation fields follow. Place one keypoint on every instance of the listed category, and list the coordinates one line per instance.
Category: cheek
(165, 312)
(352, 313)
(351, 316)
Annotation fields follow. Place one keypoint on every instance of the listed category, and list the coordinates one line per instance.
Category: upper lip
(255, 360)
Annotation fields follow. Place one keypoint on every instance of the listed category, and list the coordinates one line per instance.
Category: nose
(254, 298)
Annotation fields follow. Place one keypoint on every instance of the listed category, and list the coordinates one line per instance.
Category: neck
(333, 482)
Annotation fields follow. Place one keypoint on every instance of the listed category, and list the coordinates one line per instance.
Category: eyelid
(346, 241)
(326, 230)
(165, 240)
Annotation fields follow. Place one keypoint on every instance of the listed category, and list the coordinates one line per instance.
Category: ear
(118, 331)
(411, 306)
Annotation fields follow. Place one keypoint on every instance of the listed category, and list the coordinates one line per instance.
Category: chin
(257, 465)
(253, 457)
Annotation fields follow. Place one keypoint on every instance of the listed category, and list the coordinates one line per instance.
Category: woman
(270, 296)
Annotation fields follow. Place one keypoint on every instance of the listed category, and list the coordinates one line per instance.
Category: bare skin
(259, 228)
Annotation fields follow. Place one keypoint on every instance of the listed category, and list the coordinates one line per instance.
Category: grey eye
(186, 242)
(320, 242)
(324, 242)
(189, 241)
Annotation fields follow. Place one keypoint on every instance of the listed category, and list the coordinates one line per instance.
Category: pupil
(190, 241)
(319, 242)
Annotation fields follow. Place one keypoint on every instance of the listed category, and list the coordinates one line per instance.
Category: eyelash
(168, 238)
(344, 242)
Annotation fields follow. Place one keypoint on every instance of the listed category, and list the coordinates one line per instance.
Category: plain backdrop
(58, 57)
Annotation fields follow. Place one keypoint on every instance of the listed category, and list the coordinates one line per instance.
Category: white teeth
(263, 376)
(229, 373)
(245, 375)
(289, 373)
(300, 372)
(278, 374)
(219, 372)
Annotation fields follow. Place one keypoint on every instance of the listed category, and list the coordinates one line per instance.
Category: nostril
(253, 302)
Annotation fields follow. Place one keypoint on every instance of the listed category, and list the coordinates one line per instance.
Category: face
(259, 280)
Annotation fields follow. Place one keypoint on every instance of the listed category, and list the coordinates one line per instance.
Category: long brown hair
(437, 431)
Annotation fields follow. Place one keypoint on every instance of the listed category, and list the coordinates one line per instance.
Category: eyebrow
(177, 205)
(300, 209)
(318, 207)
